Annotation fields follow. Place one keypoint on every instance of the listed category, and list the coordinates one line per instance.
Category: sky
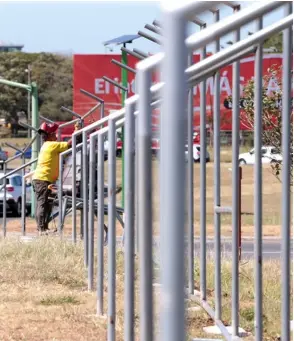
(73, 27)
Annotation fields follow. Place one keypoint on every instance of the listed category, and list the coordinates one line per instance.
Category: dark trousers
(43, 206)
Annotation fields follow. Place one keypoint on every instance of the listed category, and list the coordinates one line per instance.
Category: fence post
(173, 179)
(23, 199)
(190, 186)
(112, 231)
(100, 224)
(286, 123)
(235, 196)
(36, 144)
(240, 212)
(4, 201)
(217, 184)
(129, 221)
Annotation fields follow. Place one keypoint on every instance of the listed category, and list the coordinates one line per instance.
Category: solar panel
(128, 38)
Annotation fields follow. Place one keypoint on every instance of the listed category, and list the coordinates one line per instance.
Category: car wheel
(242, 162)
(17, 208)
(28, 209)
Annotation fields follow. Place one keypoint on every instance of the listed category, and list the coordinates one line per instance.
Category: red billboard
(88, 71)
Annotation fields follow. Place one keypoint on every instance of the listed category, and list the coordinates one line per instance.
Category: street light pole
(124, 80)
(28, 71)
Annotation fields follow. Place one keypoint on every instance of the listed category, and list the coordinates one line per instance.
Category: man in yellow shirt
(47, 172)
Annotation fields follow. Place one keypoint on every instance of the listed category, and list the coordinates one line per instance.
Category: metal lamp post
(28, 71)
(123, 40)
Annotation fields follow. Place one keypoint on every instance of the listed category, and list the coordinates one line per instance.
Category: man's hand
(78, 125)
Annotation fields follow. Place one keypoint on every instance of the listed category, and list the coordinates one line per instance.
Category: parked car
(3, 157)
(269, 154)
(27, 154)
(13, 194)
(196, 153)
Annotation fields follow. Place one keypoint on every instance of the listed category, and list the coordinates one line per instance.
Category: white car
(13, 194)
(268, 155)
(196, 153)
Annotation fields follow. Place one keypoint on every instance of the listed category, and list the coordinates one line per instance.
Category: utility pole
(28, 71)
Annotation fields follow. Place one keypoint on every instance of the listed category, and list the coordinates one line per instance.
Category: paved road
(271, 247)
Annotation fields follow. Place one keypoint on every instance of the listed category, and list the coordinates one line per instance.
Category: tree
(271, 112)
(52, 73)
(275, 41)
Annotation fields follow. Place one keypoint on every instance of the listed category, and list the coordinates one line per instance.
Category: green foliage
(271, 112)
(53, 75)
(59, 300)
(275, 41)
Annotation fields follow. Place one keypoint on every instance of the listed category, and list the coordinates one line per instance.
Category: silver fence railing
(180, 75)
(173, 95)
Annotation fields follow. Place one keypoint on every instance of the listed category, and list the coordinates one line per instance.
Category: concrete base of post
(27, 239)
(206, 339)
(192, 309)
(216, 331)
(103, 317)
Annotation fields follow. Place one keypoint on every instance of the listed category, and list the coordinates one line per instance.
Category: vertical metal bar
(145, 205)
(112, 230)
(91, 211)
(203, 184)
(23, 199)
(124, 79)
(286, 166)
(240, 213)
(172, 188)
(100, 224)
(129, 221)
(235, 190)
(85, 198)
(217, 184)
(74, 190)
(81, 194)
(258, 186)
(136, 188)
(4, 201)
(60, 227)
(190, 186)
(36, 144)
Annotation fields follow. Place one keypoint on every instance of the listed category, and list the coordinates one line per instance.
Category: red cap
(48, 128)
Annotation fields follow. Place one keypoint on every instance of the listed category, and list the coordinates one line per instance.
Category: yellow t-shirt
(48, 162)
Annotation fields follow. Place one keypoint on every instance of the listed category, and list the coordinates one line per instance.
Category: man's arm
(79, 138)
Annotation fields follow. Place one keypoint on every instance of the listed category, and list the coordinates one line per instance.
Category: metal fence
(173, 94)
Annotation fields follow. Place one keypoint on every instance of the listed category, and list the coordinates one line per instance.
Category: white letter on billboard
(99, 86)
(224, 84)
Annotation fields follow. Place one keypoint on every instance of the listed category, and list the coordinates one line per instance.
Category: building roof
(9, 44)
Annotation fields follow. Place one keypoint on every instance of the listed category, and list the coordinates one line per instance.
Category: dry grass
(271, 298)
(44, 298)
